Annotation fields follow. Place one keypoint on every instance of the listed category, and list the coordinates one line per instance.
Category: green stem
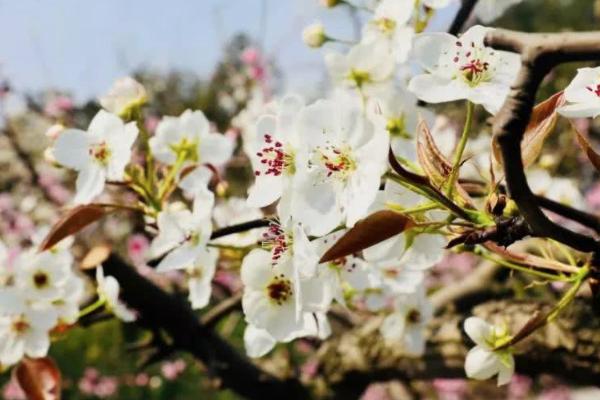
(460, 149)
(520, 268)
(92, 307)
(170, 178)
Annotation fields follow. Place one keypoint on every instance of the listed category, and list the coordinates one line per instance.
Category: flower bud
(314, 35)
(54, 131)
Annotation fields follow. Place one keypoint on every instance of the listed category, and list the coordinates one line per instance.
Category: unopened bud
(314, 35)
(54, 131)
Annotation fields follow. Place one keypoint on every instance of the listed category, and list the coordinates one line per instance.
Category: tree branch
(159, 310)
(540, 53)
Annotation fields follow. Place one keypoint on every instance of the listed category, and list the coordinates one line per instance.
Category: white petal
(580, 110)
(257, 269)
(215, 149)
(481, 363)
(435, 89)
(257, 341)
(478, 330)
(181, 257)
(72, 149)
(89, 184)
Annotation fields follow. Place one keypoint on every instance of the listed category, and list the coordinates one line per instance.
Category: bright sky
(83, 45)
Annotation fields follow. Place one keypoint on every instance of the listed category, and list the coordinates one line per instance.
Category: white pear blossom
(188, 137)
(98, 155)
(270, 295)
(399, 108)
(183, 234)
(366, 66)
(108, 290)
(463, 68)
(233, 211)
(407, 323)
(274, 154)
(42, 276)
(195, 183)
(340, 165)
(390, 24)
(200, 275)
(314, 35)
(483, 361)
(24, 331)
(583, 95)
(125, 94)
(259, 342)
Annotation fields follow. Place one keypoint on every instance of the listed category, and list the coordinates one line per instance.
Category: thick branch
(539, 54)
(569, 347)
(161, 311)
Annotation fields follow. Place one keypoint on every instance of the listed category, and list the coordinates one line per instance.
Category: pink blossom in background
(172, 369)
(592, 197)
(58, 106)
(12, 391)
(519, 387)
(309, 369)
(151, 123)
(54, 187)
(137, 248)
(450, 389)
(142, 379)
(559, 392)
(376, 391)
(250, 56)
(93, 384)
(228, 279)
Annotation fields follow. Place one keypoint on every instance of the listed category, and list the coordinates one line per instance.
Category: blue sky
(83, 45)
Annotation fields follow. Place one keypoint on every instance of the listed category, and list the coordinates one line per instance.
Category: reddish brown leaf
(435, 164)
(39, 378)
(72, 222)
(587, 147)
(541, 125)
(432, 160)
(374, 229)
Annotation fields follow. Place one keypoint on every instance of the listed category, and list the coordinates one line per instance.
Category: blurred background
(58, 56)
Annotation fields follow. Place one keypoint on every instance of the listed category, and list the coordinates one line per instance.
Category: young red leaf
(374, 229)
(39, 378)
(541, 125)
(587, 148)
(72, 222)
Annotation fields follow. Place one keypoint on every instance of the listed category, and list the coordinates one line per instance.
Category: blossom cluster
(319, 168)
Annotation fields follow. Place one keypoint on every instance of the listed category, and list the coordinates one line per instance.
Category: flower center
(274, 159)
(473, 67)
(277, 241)
(186, 148)
(40, 279)
(20, 325)
(337, 161)
(413, 316)
(386, 25)
(396, 127)
(594, 89)
(279, 289)
(100, 152)
(359, 77)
